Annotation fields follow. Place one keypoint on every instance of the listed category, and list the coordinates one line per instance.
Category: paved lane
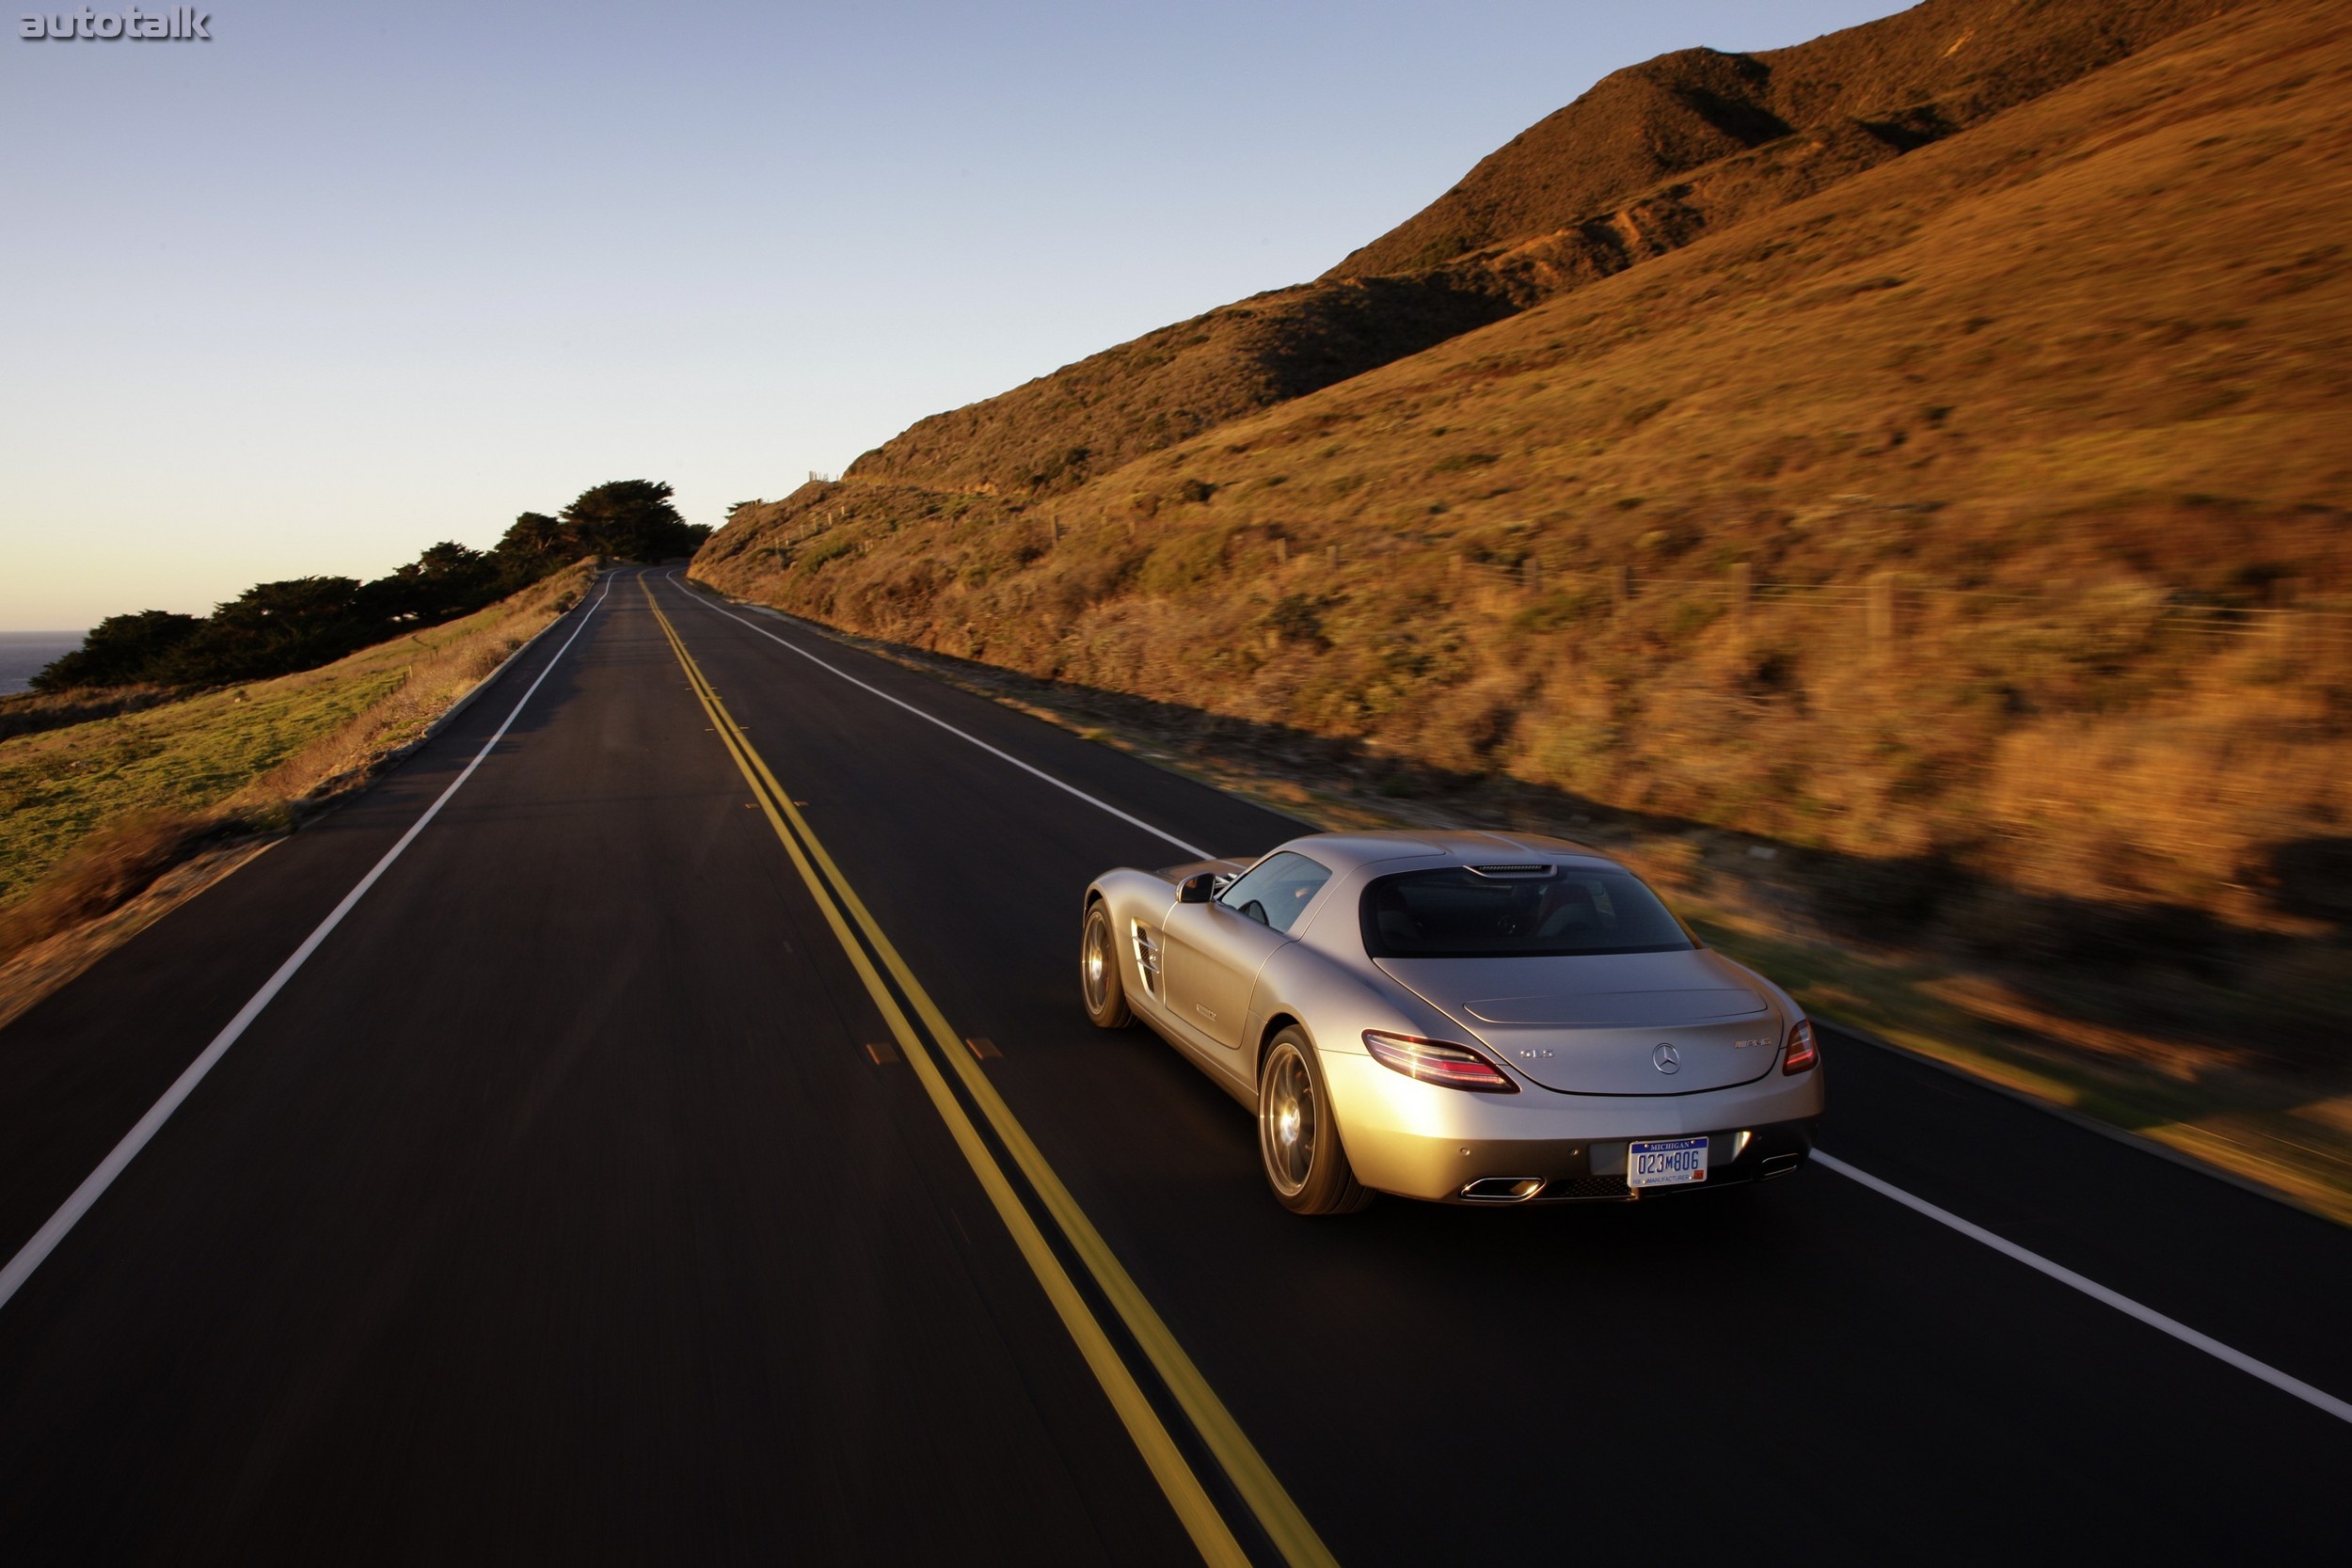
(556, 1210)
(553, 1213)
(1865, 1376)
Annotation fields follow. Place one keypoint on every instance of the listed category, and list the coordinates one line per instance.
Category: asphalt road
(558, 1208)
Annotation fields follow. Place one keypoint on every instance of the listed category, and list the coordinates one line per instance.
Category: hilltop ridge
(1652, 157)
(1853, 98)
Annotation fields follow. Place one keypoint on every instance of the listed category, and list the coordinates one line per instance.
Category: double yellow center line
(1277, 1515)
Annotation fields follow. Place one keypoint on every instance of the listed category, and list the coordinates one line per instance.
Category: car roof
(1352, 850)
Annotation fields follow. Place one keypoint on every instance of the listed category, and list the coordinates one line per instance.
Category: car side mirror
(1199, 888)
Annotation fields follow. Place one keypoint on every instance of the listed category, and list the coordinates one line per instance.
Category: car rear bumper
(1449, 1146)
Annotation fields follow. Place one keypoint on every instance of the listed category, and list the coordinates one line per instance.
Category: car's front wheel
(1298, 1142)
(1099, 978)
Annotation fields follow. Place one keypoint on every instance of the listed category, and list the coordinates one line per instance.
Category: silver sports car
(1463, 1017)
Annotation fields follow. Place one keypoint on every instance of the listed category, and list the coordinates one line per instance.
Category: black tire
(1298, 1142)
(1101, 981)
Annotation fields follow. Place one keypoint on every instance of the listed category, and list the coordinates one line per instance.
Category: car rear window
(1455, 912)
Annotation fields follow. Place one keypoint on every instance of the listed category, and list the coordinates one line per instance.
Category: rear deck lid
(1641, 1024)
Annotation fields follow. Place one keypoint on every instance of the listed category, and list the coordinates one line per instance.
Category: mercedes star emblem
(1667, 1059)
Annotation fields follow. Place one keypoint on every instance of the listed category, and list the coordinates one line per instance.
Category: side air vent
(1148, 961)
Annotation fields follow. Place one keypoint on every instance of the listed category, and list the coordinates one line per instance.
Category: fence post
(1282, 548)
(1333, 552)
(1743, 596)
(1620, 589)
(1531, 575)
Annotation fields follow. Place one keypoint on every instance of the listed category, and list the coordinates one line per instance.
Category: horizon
(393, 284)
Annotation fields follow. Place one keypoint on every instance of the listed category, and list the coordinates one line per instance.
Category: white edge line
(1192, 849)
(449, 715)
(33, 1253)
(2317, 1398)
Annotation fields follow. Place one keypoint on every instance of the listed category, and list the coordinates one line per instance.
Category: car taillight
(1802, 1055)
(1453, 1066)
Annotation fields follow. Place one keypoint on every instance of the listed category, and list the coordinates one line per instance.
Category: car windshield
(1455, 912)
(1276, 890)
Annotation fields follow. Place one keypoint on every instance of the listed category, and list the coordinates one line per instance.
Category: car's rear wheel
(1298, 1142)
(1099, 978)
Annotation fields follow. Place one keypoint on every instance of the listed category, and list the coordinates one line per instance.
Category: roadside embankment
(2187, 1067)
(107, 824)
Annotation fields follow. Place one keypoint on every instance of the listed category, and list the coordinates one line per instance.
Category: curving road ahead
(611, 1181)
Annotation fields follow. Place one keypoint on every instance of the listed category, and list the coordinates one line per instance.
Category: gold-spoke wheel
(1288, 1121)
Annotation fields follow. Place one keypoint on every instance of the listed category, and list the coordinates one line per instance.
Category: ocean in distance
(23, 653)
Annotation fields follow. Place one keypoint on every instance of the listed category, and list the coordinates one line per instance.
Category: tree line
(276, 628)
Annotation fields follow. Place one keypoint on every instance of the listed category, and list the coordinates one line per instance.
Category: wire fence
(1889, 607)
(1892, 606)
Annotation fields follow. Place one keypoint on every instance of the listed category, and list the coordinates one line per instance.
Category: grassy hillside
(2033, 445)
(1845, 101)
(1651, 158)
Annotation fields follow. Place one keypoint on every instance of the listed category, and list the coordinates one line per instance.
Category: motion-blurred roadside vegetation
(1969, 536)
(1986, 516)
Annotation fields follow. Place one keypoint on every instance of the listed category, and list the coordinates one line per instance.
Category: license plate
(1665, 1163)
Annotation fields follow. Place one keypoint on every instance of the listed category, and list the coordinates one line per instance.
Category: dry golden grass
(2090, 360)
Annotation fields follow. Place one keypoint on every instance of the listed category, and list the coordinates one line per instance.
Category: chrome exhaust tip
(1779, 1164)
(1503, 1189)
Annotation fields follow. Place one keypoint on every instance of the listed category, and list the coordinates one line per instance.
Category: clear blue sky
(349, 280)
